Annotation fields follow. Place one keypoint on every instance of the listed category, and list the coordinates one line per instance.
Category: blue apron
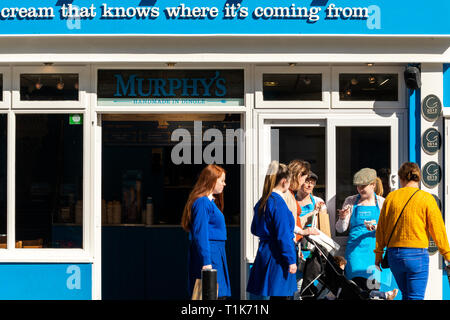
(361, 242)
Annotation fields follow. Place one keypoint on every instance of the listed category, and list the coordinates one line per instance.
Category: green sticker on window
(76, 119)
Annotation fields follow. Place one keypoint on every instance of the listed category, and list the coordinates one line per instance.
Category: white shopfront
(336, 133)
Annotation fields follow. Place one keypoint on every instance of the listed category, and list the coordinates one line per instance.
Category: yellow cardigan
(420, 219)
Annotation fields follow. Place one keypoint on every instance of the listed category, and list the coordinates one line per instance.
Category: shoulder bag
(385, 261)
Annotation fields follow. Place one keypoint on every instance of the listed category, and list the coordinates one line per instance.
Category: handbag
(384, 260)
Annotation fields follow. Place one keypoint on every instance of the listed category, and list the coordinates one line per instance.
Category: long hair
(379, 187)
(298, 168)
(203, 187)
(275, 173)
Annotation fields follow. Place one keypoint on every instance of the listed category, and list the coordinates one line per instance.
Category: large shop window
(1, 87)
(147, 172)
(357, 148)
(49, 180)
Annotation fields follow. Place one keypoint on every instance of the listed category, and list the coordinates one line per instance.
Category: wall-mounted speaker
(412, 78)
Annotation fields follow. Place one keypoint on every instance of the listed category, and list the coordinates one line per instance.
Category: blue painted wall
(385, 17)
(45, 281)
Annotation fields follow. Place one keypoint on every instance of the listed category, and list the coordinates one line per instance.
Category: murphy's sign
(170, 87)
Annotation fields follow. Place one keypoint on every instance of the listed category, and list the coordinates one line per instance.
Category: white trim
(232, 35)
(12, 254)
(83, 81)
(258, 80)
(337, 103)
(5, 103)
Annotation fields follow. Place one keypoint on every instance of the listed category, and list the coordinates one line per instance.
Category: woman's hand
(293, 268)
(311, 231)
(208, 266)
(378, 263)
(344, 212)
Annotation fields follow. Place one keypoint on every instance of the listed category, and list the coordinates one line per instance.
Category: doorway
(144, 188)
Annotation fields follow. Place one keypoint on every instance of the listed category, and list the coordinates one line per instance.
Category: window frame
(47, 255)
(5, 103)
(337, 103)
(83, 82)
(260, 103)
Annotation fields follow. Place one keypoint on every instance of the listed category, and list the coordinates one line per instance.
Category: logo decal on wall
(432, 174)
(431, 107)
(431, 141)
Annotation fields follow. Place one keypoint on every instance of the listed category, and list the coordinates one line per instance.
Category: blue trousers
(410, 269)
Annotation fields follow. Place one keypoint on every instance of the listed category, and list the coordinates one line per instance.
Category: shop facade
(105, 123)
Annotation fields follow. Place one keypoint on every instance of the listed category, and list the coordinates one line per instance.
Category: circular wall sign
(431, 174)
(431, 141)
(431, 107)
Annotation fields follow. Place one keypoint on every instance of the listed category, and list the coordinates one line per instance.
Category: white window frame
(337, 103)
(326, 87)
(47, 255)
(264, 120)
(5, 103)
(83, 83)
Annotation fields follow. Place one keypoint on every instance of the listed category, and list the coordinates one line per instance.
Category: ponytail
(276, 172)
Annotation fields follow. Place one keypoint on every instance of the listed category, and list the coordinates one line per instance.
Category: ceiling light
(270, 83)
(60, 84)
(171, 64)
(38, 85)
(370, 64)
(354, 81)
(372, 79)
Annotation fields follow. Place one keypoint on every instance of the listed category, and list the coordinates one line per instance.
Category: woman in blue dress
(205, 222)
(273, 271)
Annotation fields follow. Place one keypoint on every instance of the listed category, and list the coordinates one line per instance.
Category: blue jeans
(410, 269)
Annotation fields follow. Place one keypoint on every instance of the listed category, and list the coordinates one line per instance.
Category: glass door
(336, 146)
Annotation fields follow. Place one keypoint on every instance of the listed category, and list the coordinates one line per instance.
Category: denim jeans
(410, 269)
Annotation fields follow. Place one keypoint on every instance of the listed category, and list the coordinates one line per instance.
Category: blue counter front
(140, 263)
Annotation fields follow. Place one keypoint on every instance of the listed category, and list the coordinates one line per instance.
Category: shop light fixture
(354, 81)
(270, 83)
(372, 79)
(76, 86)
(307, 81)
(348, 92)
(171, 64)
(60, 84)
(384, 82)
(370, 64)
(38, 85)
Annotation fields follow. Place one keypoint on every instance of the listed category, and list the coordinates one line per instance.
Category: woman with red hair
(205, 222)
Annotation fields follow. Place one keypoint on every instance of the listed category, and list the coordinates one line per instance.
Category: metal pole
(209, 284)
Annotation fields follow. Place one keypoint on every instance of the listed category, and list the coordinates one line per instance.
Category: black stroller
(320, 266)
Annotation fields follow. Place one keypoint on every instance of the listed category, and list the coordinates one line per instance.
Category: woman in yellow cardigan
(407, 249)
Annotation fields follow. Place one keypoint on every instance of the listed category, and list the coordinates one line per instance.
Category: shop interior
(144, 248)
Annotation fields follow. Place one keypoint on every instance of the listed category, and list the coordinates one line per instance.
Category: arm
(342, 224)
(200, 234)
(436, 227)
(283, 233)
